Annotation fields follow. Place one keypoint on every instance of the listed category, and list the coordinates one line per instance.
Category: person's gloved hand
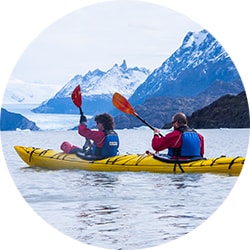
(83, 119)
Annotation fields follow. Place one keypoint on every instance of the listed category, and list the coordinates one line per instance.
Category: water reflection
(129, 208)
(182, 181)
(106, 180)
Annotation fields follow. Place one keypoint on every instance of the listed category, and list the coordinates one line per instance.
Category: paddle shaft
(80, 108)
(145, 122)
(77, 100)
(121, 103)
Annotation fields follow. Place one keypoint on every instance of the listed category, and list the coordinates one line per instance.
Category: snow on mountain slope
(20, 92)
(118, 78)
(97, 90)
(191, 69)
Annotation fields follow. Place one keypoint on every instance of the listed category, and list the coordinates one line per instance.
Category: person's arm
(171, 140)
(95, 135)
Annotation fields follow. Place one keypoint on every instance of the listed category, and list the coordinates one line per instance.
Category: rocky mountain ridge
(159, 110)
(13, 121)
(190, 70)
(229, 111)
(97, 90)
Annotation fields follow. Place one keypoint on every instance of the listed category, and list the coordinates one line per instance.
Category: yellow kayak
(55, 160)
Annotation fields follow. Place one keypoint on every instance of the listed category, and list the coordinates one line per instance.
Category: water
(122, 210)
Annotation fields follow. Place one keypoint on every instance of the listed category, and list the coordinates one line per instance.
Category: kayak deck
(55, 160)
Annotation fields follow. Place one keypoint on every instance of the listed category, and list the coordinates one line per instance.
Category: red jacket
(172, 140)
(97, 136)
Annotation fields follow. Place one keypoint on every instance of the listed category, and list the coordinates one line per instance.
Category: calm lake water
(122, 210)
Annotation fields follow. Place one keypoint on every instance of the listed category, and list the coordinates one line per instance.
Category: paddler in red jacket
(105, 139)
(182, 143)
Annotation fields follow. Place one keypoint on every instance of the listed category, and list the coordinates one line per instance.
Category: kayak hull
(55, 160)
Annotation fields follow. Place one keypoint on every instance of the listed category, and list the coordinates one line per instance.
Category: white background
(22, 21)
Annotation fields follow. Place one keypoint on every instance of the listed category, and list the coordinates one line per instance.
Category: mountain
(190, 70)
(97, 90)
(194, 76)
(13, 121)
(159, 110)
(228, 111)
(20, 92)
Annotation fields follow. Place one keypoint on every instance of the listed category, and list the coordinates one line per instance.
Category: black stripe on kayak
(176, 162)
(179, 165)
(232, 162)
(31, 153)
(216, 160)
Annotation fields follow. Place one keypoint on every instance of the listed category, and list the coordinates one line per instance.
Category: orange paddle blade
(121, 103)
(76, 96)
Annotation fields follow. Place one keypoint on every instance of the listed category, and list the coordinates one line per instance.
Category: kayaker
(182, 143)
(105, 139)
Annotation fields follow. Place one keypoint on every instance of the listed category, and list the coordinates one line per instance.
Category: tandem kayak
(55, 160)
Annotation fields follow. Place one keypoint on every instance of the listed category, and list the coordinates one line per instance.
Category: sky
(101, 35)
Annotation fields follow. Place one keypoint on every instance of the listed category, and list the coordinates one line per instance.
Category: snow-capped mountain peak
(191, 69)
(194, 39)
(97, 89)
(118, 78)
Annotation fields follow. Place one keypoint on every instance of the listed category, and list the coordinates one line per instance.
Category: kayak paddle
(76, 97)
(121, 103)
